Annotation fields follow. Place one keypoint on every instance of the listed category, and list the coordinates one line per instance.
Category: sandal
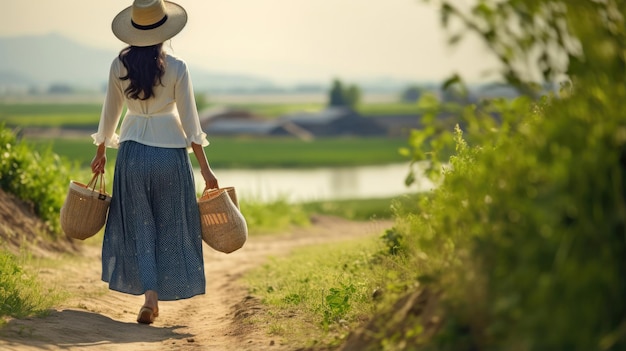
(146, 315)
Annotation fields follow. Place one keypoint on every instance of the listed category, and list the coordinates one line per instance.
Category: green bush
(526, 232)
(525, 236)
(39, 178)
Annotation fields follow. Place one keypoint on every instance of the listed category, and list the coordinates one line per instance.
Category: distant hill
(41, 61)
(44, 60)
(51, 59)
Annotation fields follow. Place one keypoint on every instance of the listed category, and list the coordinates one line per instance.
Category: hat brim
(123, 28)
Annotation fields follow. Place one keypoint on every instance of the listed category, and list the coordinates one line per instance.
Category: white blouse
(169, 119)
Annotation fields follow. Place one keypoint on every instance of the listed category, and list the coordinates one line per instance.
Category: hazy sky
(285, 40)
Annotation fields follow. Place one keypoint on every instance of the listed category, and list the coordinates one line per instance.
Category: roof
(241, 127)
(322, 117)
(215, 113)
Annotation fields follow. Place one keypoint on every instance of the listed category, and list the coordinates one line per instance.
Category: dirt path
(95, 318)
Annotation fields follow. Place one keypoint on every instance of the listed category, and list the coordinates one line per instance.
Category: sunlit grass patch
(21, 293)
(318, 293)
(362, 209)
(275, 216)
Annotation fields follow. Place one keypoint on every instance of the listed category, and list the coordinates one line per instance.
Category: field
(223, 152)
(259, 153)
(50, 115)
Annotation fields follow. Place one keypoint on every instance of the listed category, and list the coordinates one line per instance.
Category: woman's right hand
(99, 161)
(210, 181)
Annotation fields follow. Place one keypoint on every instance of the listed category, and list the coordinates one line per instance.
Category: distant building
(398, 125)
(335, 121)
(305, 125)
(224, 121)
(330, 122)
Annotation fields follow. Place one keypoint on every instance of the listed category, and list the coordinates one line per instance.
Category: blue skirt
(152, 239)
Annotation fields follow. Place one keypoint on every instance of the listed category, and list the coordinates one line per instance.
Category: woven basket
(231, 193)
(223, 226)
(85, 209)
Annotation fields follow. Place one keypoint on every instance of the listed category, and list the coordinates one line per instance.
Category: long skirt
(152, 238)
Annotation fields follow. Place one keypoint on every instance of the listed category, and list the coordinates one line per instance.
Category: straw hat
(149, 22)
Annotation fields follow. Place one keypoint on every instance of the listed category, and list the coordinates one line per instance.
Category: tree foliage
(539, 41)
(341, 95)
(411, 94)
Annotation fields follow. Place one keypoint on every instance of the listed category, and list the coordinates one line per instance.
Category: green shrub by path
(38, 177)
(526, 233)
(21, 294)
(525, 237)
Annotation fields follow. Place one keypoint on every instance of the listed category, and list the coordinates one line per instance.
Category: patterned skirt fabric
(152, 238)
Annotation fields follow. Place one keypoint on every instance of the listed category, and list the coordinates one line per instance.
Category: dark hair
(145, 66)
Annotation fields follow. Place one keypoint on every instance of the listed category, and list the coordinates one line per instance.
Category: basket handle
(94, 181)
(208, 191)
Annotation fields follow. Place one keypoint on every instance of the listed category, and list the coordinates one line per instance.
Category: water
(298, 185)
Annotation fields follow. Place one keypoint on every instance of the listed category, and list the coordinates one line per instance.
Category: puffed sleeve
(186, 104)
(111, 109)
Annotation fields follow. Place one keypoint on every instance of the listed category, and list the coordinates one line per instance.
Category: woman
(152, 241)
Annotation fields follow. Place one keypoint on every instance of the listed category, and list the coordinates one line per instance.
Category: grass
(75, 151)
(21, 293)
(316, 295)
(260, 153)
(45, 109)
(55, 121)
(273, 217)
(279, 215)
(53, 115)
(360, 209)
(50, 115)
(292, 153)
